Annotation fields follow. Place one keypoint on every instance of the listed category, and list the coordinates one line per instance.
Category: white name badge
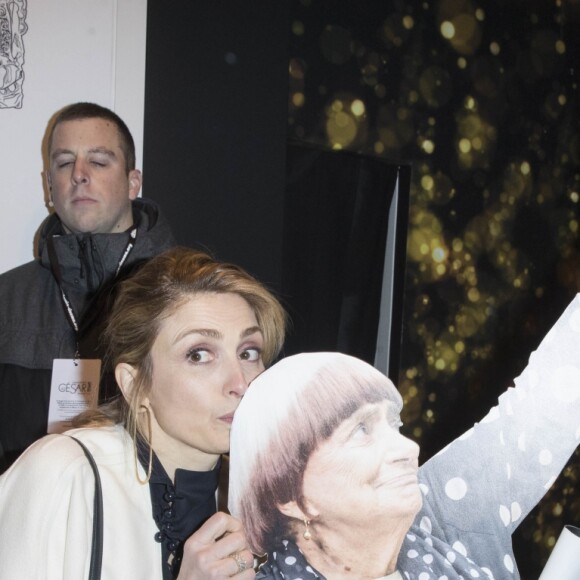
(74, 388)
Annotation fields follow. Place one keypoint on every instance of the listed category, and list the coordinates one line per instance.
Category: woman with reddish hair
(186, 336)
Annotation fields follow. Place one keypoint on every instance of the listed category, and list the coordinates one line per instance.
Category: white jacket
(46, 511)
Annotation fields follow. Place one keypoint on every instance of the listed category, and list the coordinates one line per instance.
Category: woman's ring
(242, 564)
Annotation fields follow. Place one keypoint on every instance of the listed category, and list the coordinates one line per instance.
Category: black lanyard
(57, 273)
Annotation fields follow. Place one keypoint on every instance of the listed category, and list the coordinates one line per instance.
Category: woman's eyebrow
(393, 412)
(250, 331)
(208, 332)
(213, 333)
(365, 415)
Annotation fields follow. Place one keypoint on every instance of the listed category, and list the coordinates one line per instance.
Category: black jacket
(34, 328)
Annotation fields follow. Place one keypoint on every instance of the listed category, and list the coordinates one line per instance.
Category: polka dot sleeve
(487, 481)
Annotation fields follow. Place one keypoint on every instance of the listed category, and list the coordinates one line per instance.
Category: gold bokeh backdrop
(482, 99)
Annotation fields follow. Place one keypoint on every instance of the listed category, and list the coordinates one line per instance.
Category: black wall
(216, 96)
(216, 159)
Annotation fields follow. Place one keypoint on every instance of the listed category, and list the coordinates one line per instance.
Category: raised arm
(490, 478)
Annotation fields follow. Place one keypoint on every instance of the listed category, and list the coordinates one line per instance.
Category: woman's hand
(217, 550)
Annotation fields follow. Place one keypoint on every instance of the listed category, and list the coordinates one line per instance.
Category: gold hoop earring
(135, 455)
(306, 535)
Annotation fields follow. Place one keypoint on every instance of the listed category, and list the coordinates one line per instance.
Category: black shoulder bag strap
(97, 543)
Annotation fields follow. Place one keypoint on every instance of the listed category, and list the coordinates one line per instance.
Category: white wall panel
(91, 50)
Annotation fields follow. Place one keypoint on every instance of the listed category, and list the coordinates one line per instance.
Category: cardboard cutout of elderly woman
(328, 487)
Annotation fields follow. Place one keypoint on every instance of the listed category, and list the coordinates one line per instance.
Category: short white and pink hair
(286, 413)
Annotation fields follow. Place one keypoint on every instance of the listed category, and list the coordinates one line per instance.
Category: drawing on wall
(12, 29)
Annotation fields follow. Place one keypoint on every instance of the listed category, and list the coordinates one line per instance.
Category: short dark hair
(78, 111)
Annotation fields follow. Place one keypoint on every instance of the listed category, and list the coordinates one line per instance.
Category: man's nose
(80, 173)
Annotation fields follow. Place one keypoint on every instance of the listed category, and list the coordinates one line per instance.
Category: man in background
(55, 306)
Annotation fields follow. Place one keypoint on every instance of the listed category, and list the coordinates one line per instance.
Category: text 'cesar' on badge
(74, 388)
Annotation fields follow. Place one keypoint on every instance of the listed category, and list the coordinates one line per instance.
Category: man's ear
(126, 376)
(293, 510)
(48, 178)
(135, 182)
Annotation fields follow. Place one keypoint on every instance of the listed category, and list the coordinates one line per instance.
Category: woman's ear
(125, 375)
(293, 510)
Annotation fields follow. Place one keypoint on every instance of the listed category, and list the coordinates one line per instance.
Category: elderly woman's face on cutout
(365, 473)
